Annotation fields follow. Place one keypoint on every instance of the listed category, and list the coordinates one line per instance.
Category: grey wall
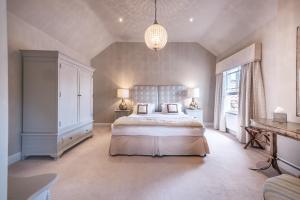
(22, 35)
(123, 65)
(278, 40)
(3, 100)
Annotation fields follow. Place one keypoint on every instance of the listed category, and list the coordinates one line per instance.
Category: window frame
(230, 91)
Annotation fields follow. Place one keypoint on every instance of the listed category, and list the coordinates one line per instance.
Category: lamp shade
(194, 92)
(123, 93)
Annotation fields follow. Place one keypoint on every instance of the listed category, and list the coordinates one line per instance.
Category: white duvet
(159, 119)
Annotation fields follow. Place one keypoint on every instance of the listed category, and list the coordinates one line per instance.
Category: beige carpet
(88, 172)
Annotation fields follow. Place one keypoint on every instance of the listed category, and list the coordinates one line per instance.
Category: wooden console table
(289, 129)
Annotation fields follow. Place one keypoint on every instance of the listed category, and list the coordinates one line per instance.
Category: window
(232, 85)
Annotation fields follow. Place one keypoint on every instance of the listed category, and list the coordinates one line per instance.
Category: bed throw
(178, 120)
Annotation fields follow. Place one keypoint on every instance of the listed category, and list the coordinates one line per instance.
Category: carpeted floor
(88, 172)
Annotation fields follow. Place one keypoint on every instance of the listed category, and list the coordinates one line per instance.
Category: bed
(158, 134)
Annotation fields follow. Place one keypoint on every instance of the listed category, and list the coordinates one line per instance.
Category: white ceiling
(91, 25)
(72, 22)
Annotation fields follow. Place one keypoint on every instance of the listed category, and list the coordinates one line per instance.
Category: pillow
(142, 109)
(172, 108)
(151, 107)
(164, 108)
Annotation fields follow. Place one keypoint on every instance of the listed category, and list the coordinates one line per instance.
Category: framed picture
(298, 73)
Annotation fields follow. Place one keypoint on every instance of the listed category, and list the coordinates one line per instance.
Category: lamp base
(193, 104)
(123, 105)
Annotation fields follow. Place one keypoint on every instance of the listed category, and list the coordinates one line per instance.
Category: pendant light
(156, 35)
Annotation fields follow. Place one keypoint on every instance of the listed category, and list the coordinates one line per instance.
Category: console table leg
(275, 128)
(274, 153)
(272, 161)
(275, 166)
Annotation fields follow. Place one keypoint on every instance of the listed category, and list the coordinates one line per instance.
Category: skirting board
(208, 124)
(14, 158)
(102, 124)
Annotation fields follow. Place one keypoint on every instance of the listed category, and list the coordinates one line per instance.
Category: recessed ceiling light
(191, 19)
(120, 19)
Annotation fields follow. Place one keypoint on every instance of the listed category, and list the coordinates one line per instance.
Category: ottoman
(283, 187)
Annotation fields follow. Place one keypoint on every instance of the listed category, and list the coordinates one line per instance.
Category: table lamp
(123, 93)
(193, 93)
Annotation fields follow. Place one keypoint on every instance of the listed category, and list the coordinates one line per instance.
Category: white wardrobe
(57, 103)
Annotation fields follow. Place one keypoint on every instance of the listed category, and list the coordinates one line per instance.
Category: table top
(288, 129)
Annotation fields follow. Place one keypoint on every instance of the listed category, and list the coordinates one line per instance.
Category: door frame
(3, 100)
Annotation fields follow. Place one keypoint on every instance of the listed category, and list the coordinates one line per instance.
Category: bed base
(158, 145)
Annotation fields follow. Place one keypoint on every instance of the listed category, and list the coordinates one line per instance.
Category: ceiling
(91, 25)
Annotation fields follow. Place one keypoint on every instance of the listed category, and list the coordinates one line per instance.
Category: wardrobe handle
(79, 95)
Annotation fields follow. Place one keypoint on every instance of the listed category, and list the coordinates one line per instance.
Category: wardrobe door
(85, 93)
(68, 95)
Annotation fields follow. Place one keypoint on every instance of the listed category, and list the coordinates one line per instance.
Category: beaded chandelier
(156, 35)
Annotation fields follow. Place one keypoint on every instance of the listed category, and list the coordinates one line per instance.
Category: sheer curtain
(219, 114)
(252, 103)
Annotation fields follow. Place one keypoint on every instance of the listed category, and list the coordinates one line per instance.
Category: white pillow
(164, 108)
(151, 107)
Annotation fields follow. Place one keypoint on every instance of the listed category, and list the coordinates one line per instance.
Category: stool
(283, 187)
(254, 134)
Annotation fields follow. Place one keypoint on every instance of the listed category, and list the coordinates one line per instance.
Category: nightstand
(197, 113)
(121, 113)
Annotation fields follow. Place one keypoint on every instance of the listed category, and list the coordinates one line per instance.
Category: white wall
(278, 40)
(3, 100)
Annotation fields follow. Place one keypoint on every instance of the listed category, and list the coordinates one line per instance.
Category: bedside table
(121, 113)
(197, 113)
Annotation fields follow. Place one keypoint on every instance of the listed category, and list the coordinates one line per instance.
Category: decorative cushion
(172, 108)
(142, 109)
(164, 107)
(151, 108)
(282, 187)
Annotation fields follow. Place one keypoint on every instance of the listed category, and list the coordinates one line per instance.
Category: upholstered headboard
(158, 94)
(145, 94)
(171, 94)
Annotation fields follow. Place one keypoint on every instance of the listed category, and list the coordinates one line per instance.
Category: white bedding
(159, 119)
(158, 125)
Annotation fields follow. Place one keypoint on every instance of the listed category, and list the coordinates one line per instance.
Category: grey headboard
(171, 94)
(145, 94)
(158, 94)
